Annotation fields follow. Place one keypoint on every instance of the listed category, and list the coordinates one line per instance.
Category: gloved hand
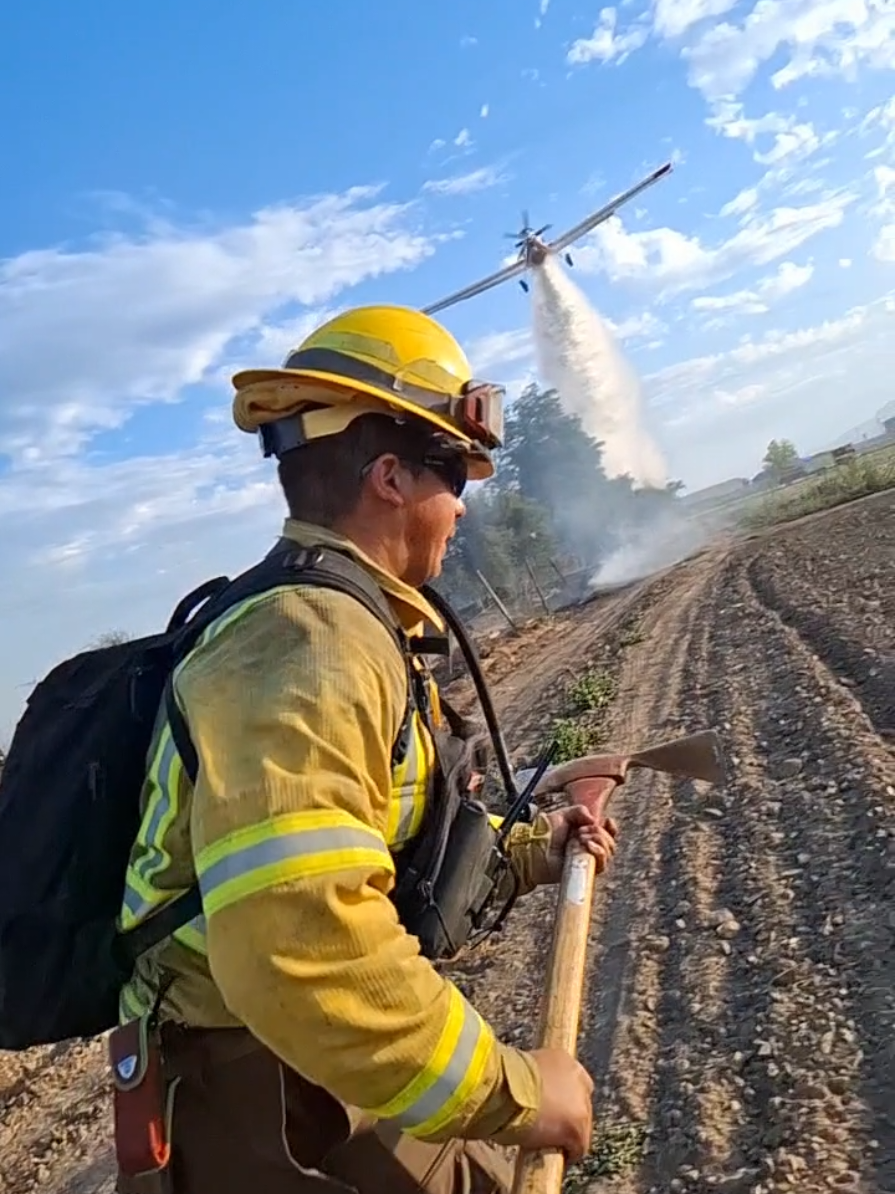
(576, 821)
(538, 848)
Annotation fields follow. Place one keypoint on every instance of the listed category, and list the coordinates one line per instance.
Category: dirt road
(741, 1014)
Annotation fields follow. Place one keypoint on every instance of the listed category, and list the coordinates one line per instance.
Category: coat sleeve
(293, 712)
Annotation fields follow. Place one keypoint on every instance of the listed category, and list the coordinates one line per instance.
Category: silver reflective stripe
(286, 855)
(432, 1100)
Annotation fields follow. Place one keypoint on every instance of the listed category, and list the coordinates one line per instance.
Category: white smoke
(662, 542)
(577, 356)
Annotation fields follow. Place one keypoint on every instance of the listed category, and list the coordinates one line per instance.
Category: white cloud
(466, 184)
(797, 142)
(670, 261)
(491, 354)
(884, 246)
(881, 117)
(467, 41)
(484, 111)
(605, 44)
(758, 299)
(672, 18)
(794, 140)
(88, 335)
(819, 37)
(463, 139)
(845, 262)
(727, 117)
(744, 201)
(644, 325)
(720, 410)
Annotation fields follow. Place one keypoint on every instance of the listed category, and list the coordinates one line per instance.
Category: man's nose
(460, 508)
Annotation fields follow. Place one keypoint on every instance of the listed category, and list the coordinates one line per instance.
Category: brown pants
(243, 1123)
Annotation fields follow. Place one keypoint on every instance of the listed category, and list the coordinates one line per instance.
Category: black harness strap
(286, 564)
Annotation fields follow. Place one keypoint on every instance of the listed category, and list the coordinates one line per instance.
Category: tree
(550, 498)
(781, 456)
(501, 531)
(554, 462)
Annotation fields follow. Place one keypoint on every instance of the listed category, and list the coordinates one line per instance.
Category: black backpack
(69, 806)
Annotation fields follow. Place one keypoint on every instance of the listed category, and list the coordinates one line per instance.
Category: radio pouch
(143, 1098)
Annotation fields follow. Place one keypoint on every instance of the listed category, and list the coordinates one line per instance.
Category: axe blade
(697, 756)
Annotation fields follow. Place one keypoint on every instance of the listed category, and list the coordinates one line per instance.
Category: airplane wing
(503, 275)
(610, 209)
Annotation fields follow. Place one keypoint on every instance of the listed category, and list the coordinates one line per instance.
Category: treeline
(550, 508)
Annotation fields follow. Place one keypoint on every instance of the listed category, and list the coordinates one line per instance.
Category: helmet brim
(480, 465)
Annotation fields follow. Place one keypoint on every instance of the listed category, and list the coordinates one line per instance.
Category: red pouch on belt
(143, 1098)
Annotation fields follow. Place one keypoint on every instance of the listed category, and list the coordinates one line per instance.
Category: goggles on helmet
(475, 408)
(478, 412)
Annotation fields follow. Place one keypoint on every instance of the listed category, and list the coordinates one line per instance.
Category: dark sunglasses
(451, 469)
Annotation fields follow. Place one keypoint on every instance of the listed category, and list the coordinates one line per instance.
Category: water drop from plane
(578, 357)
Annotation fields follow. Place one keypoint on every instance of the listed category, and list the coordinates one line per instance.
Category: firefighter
(307, 1043)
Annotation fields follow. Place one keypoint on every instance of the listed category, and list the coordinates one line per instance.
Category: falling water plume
(578, 357)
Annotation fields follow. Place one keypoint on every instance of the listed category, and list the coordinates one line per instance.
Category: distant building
(735, 487)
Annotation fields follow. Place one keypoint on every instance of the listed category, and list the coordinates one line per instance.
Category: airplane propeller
(526, 232)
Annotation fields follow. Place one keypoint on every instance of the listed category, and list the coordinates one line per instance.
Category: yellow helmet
(374, 359)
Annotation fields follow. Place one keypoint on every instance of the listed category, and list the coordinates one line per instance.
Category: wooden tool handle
(542, 1172)
(591, 781)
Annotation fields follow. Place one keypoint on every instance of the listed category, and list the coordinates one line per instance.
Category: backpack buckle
(305, 557)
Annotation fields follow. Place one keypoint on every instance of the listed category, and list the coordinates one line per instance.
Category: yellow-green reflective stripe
(193, 936)
(292, 846)
(141, 899)
(164, 774)
(227, 619)
(166, 766)
(455, 1070)
(410, 788)
(130, 1006)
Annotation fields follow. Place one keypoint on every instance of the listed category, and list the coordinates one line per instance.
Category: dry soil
(740, 1018)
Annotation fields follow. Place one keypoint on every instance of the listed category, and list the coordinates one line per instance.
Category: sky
(189, 189)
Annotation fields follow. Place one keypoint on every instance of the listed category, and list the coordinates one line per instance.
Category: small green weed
(616, 1149)
(573, 739)
(594, 690)
(631, 634)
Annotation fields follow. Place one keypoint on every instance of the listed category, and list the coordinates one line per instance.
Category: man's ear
(389, 479)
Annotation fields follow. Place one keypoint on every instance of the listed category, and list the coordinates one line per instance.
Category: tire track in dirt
(505, 974)
(873, 678)
(760, 1053)
(646, 1028)
(837, 823)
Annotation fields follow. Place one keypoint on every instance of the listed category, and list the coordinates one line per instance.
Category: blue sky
(188, 188)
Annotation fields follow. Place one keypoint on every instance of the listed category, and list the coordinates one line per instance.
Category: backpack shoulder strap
(287, 564)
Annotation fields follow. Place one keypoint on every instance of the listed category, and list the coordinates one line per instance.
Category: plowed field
(740, 1018)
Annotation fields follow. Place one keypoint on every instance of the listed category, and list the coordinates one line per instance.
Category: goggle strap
(281, 436)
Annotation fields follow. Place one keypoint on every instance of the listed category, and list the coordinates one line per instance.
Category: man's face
(432, 515)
